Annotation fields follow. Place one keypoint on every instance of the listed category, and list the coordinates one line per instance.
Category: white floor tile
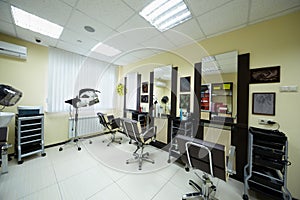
(85, 184)
(170, 191)
(112, 192)
(141, 186)
(101, 172)
(49, 193)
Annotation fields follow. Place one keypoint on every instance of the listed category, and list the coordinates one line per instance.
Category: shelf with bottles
(222, 97)
(205, 97)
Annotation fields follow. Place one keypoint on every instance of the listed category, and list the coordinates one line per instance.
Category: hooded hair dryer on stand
(86, 97)
(9, 96)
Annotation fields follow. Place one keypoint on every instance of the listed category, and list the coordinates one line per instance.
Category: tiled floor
(99, 172)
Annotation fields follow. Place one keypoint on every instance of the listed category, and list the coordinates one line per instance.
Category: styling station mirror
(219, 98)
(162, 87)
(162, 90)
(219, 86)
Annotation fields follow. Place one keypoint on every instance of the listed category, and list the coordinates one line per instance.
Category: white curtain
(70, 72)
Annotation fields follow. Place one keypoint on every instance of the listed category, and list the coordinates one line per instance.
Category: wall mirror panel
(162, 91)
(219, 86)
(131, 91)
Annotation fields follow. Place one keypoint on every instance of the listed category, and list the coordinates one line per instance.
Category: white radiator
(86, 125)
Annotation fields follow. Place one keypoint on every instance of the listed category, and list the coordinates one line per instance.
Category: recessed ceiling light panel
(106, 50)
(34, 23)
(166, 14)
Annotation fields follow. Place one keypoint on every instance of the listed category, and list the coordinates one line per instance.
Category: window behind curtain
(69, 72)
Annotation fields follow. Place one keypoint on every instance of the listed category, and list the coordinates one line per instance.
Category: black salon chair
(111, 125)
(208, 157)
(141, 137)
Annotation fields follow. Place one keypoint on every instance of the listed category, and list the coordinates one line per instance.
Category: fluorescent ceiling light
(34, 23)
(106, 49)
(165, 14)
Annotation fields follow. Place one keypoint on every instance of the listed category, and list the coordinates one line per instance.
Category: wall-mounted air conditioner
(160, 84)
(13, 50)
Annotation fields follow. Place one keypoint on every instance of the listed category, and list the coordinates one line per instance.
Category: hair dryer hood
(9, 96)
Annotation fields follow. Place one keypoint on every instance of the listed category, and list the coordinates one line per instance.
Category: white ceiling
(118, 23)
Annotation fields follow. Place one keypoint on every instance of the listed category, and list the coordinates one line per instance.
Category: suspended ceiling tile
(199, 7)
(137, 5)
(188, 30)
(54, 10)
(77, 39)
(78, 20)
(31, 37)
(7, 28)
(140, 35)
(135, 22)
(113, 12)
(142, 53)
(70, 47)
(70, 2)
(159, 42)
(101, 57)
(122, 43)
(125, 59)
(224, 18)
(5, 13)
(262, 9)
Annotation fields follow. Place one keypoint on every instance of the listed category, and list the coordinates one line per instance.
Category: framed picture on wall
(185, 84)
(145, 87)
(265, 75)
(144, 98)
(185, 102)
(263, 103)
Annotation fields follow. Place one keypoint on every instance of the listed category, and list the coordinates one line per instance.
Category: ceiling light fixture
(89, 29)
(166, 14)
(105, 50)
(34, 23)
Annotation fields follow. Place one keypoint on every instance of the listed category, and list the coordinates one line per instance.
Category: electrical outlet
(264, 121)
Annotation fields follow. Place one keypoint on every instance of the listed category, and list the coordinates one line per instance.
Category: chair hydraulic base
(113, 140)
(4, 158)
(140, 157)
(206, 191)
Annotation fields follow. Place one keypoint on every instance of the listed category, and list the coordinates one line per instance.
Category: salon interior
(149, 99)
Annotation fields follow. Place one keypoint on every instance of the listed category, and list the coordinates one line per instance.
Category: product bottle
(180, 114)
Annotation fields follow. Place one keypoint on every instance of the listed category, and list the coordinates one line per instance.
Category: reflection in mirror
(219, 86)
(162, 90)
(131, 93)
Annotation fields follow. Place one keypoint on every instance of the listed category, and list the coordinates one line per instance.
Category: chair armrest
(5, 145)
(151, 132)
(230, 162)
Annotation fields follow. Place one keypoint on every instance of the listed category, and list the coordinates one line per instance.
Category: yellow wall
(30, 77)
(270, 43)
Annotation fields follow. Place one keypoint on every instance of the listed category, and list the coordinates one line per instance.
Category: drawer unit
(29, 138)
(266, 170)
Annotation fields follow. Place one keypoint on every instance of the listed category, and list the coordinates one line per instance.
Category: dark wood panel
(125, 92)
(198, 130)
(239, 134)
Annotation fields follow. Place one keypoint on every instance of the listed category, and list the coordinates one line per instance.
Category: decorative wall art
(263, 103)
(145, 87)
(185, 101)
(185, 84)
(265, 75)
(144, 98)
